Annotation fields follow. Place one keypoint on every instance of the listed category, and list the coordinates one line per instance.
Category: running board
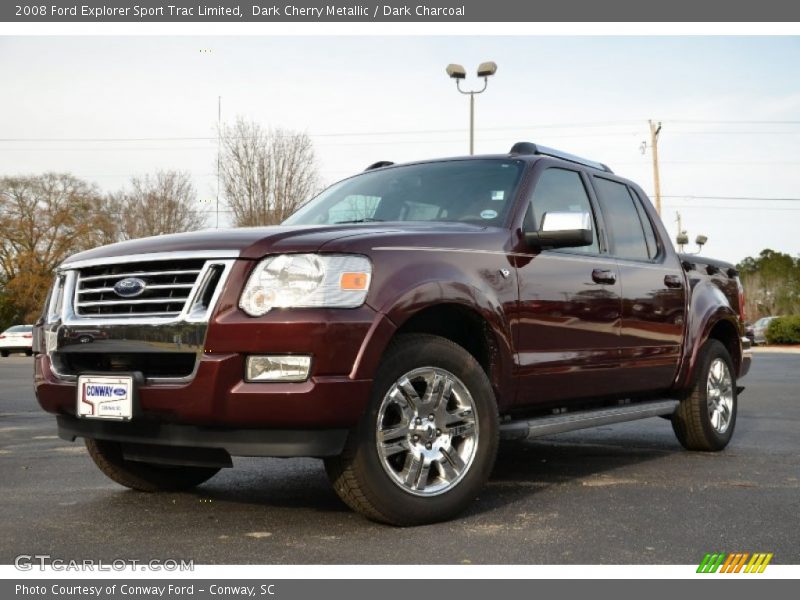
(519, 430)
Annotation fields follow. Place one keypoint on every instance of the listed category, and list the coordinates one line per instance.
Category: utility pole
(655, 129)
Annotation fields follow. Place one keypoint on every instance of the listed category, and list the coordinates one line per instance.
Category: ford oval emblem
(130, 287)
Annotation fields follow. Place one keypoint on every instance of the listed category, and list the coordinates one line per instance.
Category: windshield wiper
(367, 220)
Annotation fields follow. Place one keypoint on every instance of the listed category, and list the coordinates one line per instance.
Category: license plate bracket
(106, 397)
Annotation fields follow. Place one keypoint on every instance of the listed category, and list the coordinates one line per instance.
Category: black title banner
(399, 11)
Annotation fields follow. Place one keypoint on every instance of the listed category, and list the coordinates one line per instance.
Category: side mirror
(562, 230)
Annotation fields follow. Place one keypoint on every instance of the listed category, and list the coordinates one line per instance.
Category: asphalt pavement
(624, 494)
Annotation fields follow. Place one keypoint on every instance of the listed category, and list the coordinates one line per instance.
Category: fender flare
(698, 333)
(393, 315)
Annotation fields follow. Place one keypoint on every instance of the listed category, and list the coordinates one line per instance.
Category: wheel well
(458, 324)
(726, 333)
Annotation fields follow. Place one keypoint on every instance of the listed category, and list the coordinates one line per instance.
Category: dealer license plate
(104, 397)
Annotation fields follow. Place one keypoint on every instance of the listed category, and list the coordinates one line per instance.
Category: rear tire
(28, 352)
(145, 477)
(706, 418)
(4, 353)
(428, 440)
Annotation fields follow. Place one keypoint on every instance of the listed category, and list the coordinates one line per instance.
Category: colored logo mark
(737, 562)
(130, 287)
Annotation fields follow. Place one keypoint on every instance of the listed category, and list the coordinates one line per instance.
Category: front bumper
(217, 396)
(234, 442)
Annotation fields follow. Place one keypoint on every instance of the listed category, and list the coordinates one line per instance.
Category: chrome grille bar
(149, 287)
(121, 302)
(141, 273)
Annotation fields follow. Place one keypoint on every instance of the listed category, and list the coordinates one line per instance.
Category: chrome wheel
(427, 431)
(719, 394)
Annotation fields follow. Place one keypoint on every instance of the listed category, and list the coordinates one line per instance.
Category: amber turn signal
(354, 281)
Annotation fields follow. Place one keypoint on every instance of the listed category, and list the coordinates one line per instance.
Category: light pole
(457, 72)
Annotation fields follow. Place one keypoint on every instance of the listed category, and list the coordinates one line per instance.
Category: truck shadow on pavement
(522, 469)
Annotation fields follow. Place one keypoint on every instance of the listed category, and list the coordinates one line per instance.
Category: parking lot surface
(626, 494)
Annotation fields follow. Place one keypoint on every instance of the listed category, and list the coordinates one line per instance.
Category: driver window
(560, 190)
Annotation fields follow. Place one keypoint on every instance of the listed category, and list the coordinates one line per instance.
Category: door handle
(673, 281)
(604, 276)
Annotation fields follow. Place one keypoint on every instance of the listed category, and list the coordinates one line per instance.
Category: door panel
(568, 328)
(653, 298)
(652, 325)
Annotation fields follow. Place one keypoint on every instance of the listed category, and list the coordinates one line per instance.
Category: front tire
(428, 440)
(705, 419)
(145, 477)
(4, 353)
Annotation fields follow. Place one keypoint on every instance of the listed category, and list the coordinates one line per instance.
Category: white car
(18, 338)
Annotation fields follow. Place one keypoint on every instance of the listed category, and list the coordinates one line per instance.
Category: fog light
(278, 368)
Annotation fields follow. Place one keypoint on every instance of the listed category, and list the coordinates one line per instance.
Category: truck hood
(256, 242)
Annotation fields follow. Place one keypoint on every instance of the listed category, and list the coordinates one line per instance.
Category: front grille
(168, 286)
(150, 364)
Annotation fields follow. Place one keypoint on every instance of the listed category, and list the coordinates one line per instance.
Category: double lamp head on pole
(457, 72)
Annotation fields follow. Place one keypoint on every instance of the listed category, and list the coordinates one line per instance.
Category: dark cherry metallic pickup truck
(397, 326)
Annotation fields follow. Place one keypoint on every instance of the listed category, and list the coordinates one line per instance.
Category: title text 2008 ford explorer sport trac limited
(397, 326)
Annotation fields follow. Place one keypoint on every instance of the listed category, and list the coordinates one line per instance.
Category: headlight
(307, 281)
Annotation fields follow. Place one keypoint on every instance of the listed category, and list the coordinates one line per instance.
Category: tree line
(265, 175)
(771, 283)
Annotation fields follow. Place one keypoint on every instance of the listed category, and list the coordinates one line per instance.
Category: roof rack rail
(531, 148)
(379, 164)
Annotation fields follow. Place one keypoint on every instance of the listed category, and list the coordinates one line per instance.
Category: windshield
(476, 191)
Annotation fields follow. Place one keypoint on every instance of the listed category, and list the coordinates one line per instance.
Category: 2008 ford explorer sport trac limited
(397, 326)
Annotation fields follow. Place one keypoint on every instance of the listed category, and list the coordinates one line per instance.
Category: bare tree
(156, 205)
(265, 174)
(44, 219)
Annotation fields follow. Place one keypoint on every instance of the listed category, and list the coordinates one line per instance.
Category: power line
(732, 122)
(323, 145)
(573, 125)
(106, 149)
(731, 163)
(702, 132)
(756, 198)
(329, 134)
(725, 208)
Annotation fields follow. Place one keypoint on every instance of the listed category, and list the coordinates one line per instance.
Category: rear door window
(647, 225)
(624, 226)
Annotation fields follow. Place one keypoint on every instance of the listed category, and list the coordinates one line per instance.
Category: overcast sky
(730, 108)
